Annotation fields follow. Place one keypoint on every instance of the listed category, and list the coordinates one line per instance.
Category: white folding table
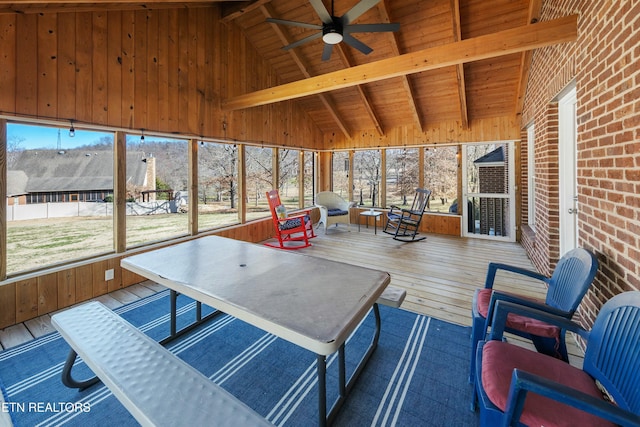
(311, 302)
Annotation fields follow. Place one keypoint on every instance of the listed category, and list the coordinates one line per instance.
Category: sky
(30, 137)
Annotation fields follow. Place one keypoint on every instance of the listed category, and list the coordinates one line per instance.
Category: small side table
(367, 215)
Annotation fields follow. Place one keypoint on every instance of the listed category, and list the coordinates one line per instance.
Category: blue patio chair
(567, 286)
(517, 386)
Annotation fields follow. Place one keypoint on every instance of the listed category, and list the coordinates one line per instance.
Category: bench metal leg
(66, 374)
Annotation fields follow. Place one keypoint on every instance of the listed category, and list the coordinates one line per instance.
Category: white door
(488, 191)
(567, 141)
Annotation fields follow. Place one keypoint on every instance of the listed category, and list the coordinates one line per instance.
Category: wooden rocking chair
(296, 228)
(403, 223)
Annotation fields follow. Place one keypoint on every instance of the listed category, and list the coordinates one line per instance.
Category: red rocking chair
(296, 228)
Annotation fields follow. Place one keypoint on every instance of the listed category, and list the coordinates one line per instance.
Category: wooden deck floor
(440, 275)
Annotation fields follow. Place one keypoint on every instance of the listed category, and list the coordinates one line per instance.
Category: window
(309, 178)
(157, 176)
(367, 171)
(402, 176)
(217, 185)
(64, 214)
(531, 177)
(441, 177)
(340, 173)
(259, 181)
(288, 186)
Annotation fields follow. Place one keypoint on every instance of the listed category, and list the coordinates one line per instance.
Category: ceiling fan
(336, 29)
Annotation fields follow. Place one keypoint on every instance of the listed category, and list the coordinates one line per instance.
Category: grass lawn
(37, 243)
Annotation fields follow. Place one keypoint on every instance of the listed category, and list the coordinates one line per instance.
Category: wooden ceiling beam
(505, 42)
(268, 12)
(535, 7)
(406, 83)
(105, 2)
(37, 6)
(462, 88)
(361, 92)
(239, 8)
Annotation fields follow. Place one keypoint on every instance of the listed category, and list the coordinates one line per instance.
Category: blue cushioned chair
(570, 281)
(517, 386)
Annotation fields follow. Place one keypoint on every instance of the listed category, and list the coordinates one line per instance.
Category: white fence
(76, 209)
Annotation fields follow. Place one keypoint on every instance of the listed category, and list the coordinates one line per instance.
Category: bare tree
(259, 171)
(13, 149)
(367, 174)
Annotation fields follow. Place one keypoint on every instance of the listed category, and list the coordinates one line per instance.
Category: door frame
(510, 196)
(567, 170)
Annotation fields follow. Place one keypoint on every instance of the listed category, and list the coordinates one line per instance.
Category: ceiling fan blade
(326, 52)
(302, 41)
(355, 43)
(357, 10)
(371, 28)
(321, 10)
(294, 23)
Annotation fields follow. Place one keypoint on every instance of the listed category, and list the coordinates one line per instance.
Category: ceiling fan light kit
(334, 27)
(332, 34)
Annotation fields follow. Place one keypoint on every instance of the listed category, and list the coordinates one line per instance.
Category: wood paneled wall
(490, 129)
(159, 70)
(430, 223)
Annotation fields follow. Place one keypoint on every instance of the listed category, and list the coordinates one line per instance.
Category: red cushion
(517, 322)
(498, 361)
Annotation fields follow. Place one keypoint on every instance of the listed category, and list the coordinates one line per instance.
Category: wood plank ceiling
(475, 90)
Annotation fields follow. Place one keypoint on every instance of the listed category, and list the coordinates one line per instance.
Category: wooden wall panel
(436, 224)
(84, 68)
(129, 278)
(152, 70)
(128, 72)
(26, 90)
(493, 129)
(47, 65)
(116, 283)
(162, 99)
(26, 300)
(66, 284)
(172, 61)
(8, 305)
(47, 294)
(66, 85)
(193, 93)
(7, 62)
(183, 70)
(84, 283)
(99, 91)
(98, 283)
(140, 53)
(114, 68)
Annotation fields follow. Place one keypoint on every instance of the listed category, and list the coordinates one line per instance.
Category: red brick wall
(605, 65)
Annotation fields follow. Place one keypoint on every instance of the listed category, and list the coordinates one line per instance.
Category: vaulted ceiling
(451, 60)
(462, 92)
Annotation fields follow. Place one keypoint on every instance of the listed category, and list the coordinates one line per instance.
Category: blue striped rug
(416, 377)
